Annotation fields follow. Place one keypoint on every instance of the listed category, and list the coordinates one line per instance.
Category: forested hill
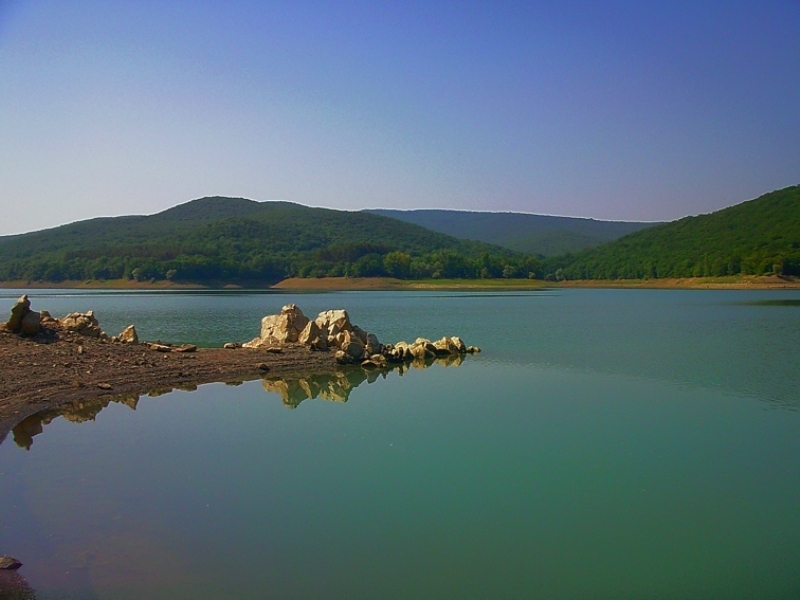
(534, 234)
(756, 237)
(234, 239)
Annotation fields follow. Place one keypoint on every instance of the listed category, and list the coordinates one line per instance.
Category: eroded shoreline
(56, 368)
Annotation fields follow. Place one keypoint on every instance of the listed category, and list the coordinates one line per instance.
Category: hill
(533, 234)
(234, 239)
(752, 238)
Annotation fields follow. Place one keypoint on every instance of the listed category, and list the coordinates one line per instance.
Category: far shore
(311, 284)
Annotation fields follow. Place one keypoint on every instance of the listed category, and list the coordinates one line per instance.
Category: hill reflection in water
(335, 387)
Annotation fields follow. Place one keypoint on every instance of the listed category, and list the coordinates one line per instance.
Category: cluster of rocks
(25, 321)
(333, 330)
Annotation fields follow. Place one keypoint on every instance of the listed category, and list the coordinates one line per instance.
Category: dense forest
(533, 234)
(757, 237)
(234, 240)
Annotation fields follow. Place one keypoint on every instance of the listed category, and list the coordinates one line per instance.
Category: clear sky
(612, 110)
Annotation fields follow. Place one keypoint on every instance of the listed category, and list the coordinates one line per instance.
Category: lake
(605, 444)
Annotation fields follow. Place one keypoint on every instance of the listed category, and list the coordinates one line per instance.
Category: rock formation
(24, 320)
(333, 330)
(283, 328)
(128, 335)
(29, 322)
(83, 323)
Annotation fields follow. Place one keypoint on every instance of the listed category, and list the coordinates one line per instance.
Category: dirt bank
(745, 282)
(322, 284)
(57, 367)
(388, 283)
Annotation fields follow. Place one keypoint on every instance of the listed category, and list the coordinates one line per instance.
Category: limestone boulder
(459, 344)
(447, 345)
(334, 321)
(283, 328)
(31, 323)
(353, 347)
(18, 311)
(373, 345)
(82, 323)
(313, 337)
(128, 335)
(360, 334)
(47, 320)
(422, 348)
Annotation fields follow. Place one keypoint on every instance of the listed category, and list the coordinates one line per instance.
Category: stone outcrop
(332, 330)
(283, 328)
(24, 320)
(83, 324)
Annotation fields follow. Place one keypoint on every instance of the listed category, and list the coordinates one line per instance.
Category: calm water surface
(606, 444)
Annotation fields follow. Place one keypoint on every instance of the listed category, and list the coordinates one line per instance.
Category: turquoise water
(605, 444)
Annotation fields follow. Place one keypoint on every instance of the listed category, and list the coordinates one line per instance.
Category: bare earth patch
(53, 368)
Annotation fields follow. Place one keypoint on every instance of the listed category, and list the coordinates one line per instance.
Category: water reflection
(79, 411)
(335, 386)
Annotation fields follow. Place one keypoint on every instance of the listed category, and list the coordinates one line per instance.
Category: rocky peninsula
(48, 362)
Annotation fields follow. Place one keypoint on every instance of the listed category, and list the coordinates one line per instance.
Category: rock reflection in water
(335, 387)
(76, 412)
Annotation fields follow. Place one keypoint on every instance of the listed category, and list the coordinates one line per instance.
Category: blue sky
(611, 110)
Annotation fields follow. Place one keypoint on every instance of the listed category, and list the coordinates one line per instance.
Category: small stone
(275, 350)
(185, 348)
(229, 346)
(80, 349)
(262, 366)
(128, 335)
(104, 386)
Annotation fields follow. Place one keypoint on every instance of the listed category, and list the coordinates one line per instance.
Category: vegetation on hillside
(758, 237)
(534, 234)
(237, 240)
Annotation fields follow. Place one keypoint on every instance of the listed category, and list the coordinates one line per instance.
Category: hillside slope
(534, 234)
(231, 239)
(755, 237)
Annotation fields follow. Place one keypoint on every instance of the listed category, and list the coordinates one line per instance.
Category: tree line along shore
(740, 282)
(214, 242)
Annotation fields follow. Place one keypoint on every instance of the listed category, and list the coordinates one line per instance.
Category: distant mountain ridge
(760, 236)
(232, 239)
(534, 234)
